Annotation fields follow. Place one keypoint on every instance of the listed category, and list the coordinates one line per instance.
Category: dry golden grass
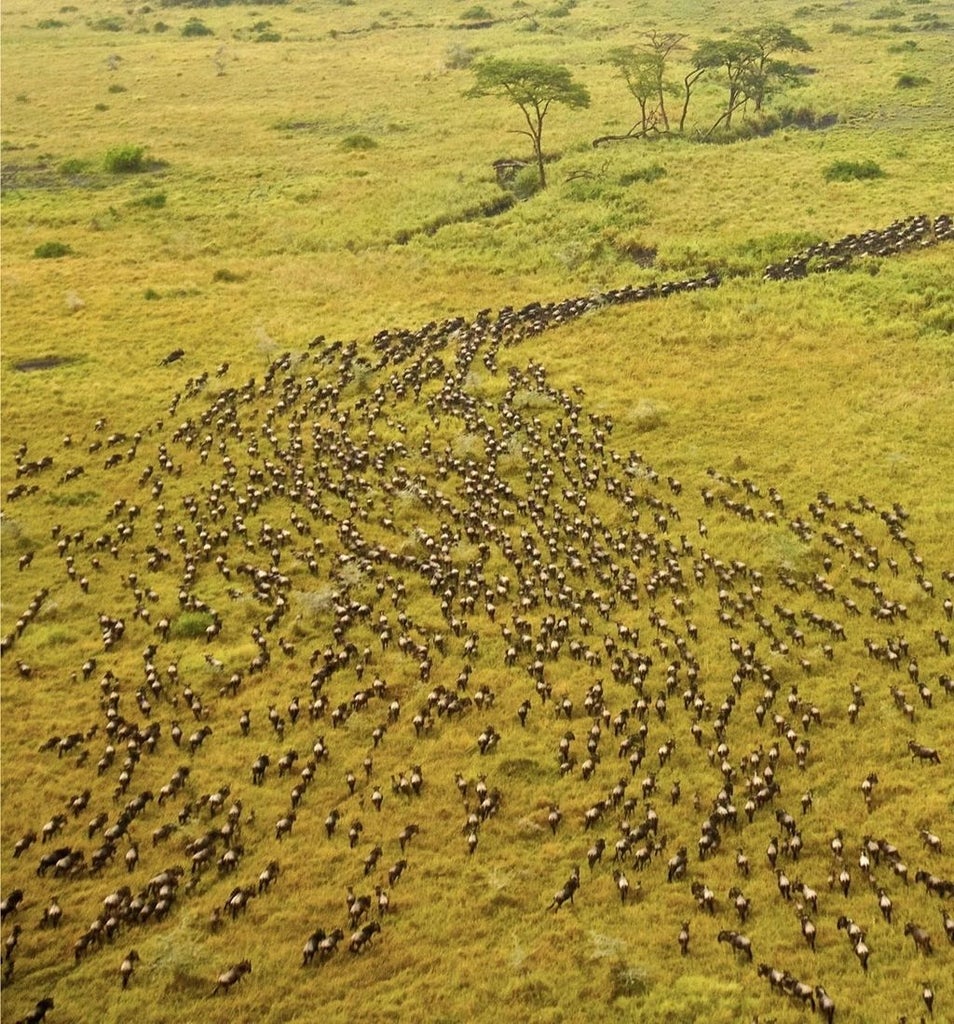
(274, 229)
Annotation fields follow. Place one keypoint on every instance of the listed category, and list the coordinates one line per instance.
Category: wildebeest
(362, 937)
(235, 973)
(922, 940)
(739, 942)
(922, 753)
(38, 1013)
(127, 966)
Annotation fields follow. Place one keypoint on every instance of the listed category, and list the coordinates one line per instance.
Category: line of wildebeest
(403, 545)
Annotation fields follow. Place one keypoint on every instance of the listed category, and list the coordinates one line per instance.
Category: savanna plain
(444, 576)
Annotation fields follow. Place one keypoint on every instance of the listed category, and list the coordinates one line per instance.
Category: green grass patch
(52, 250)
(853, 170)
(127, 159)
(649, 174)
(151, 201)
(113, 23)
(196, 28)
(358, 143)
(190, 625)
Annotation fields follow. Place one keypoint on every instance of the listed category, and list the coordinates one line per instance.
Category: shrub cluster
(853, 170)
(51, 250)
(125, 160)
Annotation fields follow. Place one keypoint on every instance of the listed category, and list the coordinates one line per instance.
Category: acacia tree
(533, 86)
(735, 57)
(749, 64)
(661, 45)
(767, 71)
(642, 73)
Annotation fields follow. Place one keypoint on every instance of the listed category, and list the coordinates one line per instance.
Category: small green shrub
(887, 13)
(116, 87)
(152, 201)
(268, 37)
(190, 625)
(160, 26)
(113, 24)
(195, 27)
(353, 143)
(226, 275)
(100, 106)
(853, 170)
(125, 160)
(526, 182)
(72, 166)
(907, 81)
(150, 295)
(841, 28)
(50, 23)
(477, 13)
(51, 250)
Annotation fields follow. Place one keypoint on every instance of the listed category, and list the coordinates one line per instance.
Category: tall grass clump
(195, 28)
(125, 160)
(853, 170)
(52, 250)
(358, 143)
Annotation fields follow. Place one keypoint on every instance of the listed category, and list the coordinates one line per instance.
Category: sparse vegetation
(195, 28)
(52, 250)
(909, 81)
(853, 170)
(358, 143)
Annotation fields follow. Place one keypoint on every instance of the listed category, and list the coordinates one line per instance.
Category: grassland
(313, 169)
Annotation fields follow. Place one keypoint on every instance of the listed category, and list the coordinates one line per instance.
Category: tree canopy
(533, 86)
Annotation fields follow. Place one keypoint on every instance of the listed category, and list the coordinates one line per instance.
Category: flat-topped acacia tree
(533, 86)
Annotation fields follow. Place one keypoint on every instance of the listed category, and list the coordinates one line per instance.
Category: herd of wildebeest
(371, 506)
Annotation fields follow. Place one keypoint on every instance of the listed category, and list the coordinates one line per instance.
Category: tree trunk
(689, 81)
(662, 107)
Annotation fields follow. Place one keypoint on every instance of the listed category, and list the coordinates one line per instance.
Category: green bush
(72, 166)
(125, 160)
(526, 182)
(150, 295)
(114, 24)
(50, 23)
(116, 87)
(268, 37)
(196, 27)
(907, 81)
(853, 170)
(160, 26)
(190, 625)
(352, 143)
(478, 13)
(51, 250)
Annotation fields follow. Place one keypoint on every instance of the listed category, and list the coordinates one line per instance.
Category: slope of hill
(455, 670)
